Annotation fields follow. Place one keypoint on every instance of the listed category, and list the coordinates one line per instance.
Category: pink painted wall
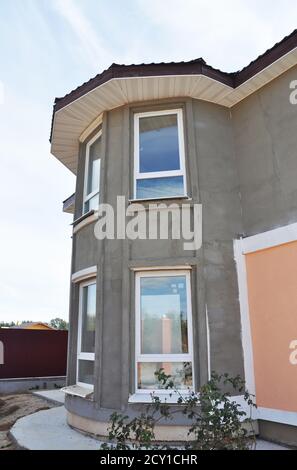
(272, 294)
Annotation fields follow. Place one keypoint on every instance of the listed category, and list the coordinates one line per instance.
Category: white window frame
(89, 196)
(83, 355)
(181, 148)
(139, 357)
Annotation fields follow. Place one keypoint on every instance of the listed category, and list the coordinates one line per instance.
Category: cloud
(89, 42)
(226, 34)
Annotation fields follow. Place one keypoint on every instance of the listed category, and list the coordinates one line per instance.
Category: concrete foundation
(100, 429)
(30, 383)
(279, 433)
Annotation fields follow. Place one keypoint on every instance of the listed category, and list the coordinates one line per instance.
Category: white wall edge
(269, 239)
(246, 335)
(277, 416)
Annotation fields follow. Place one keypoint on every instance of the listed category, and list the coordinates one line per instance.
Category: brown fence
(33, 353)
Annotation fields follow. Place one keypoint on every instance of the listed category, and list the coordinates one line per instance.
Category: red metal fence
(33, 353)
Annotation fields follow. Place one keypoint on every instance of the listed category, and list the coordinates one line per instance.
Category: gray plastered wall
(240, 166)
(114, 368)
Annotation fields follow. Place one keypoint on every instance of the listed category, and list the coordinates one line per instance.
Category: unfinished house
(184, 133)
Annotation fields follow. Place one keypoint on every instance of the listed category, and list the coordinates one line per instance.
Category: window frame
(139, 357)
(87, 197)
(160, 174)
(83, 356)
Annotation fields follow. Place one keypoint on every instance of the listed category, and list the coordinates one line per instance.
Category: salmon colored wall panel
(272, 294)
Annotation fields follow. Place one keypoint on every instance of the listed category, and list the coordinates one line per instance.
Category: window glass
(171, 186)
(92, 203)
(93, 177)
(164, 328)
(158, 143)
(88, 318)
(163, 315)
(93, 170)
(159, 155)
(86, 372)
(181, 374)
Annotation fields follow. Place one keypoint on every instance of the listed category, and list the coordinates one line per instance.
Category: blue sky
(47, 48)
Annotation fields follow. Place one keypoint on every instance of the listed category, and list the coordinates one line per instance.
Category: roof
(110, 88)
(33, 325)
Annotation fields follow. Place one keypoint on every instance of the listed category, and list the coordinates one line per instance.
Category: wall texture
(211, 180)
(241, 165)
(264, 129)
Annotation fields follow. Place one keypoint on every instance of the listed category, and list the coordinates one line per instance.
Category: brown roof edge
(196, 66)
(280, 49)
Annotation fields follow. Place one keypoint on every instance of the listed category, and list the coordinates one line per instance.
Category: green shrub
(215, 420)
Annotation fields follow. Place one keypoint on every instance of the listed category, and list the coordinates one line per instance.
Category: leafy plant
(215, 420)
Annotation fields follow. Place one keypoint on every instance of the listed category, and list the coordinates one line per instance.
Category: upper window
(92, 174)
(159, 155)
(86, 334)
(163, 329)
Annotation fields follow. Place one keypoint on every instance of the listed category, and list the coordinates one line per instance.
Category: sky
(49, 47)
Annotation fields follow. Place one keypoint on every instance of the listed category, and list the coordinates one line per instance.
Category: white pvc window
(159, 155)
(163, 329)
(92, 174)
(86, 334)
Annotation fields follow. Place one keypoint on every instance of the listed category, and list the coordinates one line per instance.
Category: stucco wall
(212, 180)
(265, 142)
(241, 165)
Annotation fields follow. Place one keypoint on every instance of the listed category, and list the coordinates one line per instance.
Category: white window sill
(77, 391)
(160, 198)
(165, 397)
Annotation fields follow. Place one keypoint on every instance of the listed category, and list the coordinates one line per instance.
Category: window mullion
(159, 174)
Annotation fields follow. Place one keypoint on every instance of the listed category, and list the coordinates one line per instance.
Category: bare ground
(13, 407)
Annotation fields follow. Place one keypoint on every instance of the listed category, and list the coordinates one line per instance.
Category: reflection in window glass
(158, 143)
(88, 318)
(164, 328)
(151, 188)
(93, 177)
(163, 313)
(181, 374)
(159, 154)
(86, 372)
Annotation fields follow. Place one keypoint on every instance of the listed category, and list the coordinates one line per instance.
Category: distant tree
(7, 324)
(59, 324)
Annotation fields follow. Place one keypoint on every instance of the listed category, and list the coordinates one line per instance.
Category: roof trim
(193, 67)
(79, 112)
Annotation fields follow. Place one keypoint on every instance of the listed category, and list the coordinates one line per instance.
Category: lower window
(163, 329)
(86, 334)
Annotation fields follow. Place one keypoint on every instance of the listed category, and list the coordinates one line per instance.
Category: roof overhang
(119, 85)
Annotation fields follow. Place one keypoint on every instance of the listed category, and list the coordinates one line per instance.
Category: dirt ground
(13, 407)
